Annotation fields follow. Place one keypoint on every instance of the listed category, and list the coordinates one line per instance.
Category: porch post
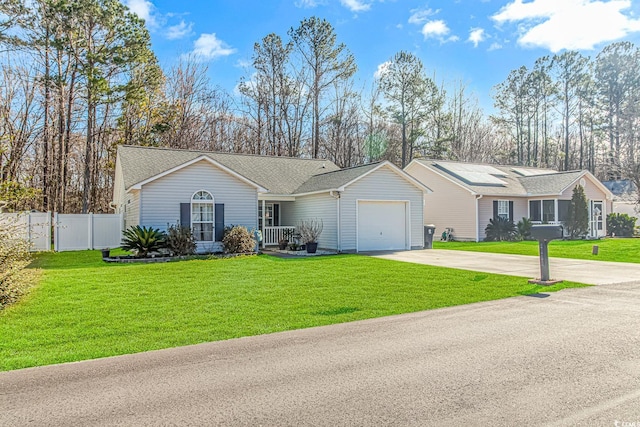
(264, 212)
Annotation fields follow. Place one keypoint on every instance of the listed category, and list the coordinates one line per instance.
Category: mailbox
(547, 232)
(544, 233)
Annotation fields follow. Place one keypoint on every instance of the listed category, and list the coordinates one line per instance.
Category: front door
(596, 221)
(271, 215)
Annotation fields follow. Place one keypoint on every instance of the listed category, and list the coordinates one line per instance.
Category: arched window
(202, 218)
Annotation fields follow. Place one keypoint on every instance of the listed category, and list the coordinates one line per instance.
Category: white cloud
(210, 47)
(356, 5)
(495, 46)
(243, 63)
(382, 69)
(307, 4)
(179, 31)
(568, 24)
(437, 30)
(144, 9)
(476, 35)
(418, 16)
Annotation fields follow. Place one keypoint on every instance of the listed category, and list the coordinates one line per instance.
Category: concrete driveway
(583, 271)
(567, 358)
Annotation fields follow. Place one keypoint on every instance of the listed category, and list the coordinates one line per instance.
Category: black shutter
(511, 211)
(185, 215)
(495, 209)
(219, 221)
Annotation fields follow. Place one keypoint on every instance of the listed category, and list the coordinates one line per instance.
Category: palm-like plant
(524, 228)
(500, 229)
(143, 240)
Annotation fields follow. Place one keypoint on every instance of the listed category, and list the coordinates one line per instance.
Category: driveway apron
(576, 270)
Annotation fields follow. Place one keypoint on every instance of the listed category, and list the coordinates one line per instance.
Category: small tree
(238, 240)
(620, 224)
(180, 240)
(310, 230)
(578, 216)
(14, 258)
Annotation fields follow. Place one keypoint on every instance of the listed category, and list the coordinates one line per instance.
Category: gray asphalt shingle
(279, 175)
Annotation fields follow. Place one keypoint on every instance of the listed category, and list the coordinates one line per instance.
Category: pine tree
(578, 218)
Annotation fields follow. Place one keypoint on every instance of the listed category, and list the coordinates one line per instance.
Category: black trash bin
(429, 232)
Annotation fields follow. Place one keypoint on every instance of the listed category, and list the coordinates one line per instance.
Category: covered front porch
(270, 222)
(556, 211)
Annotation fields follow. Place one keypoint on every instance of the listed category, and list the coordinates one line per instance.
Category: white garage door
(382, 226)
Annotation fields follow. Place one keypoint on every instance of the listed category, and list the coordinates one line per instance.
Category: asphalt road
(566, 358)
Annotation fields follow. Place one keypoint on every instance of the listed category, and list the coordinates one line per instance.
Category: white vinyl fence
(74, 232)
(71, 232)
(34, 227)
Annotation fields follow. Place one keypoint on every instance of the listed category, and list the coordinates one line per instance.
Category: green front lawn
(619, 250)
(84, 308)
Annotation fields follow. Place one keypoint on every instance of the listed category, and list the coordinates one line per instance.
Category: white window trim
(213, 210)
(504, 214)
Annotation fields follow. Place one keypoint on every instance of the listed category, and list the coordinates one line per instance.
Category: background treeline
(78, 77)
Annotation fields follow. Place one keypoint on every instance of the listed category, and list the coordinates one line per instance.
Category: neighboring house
(625, 197)
(371, 207)
(465, 196)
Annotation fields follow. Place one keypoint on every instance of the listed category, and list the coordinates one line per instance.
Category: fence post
(90, 219)
(48, 232)
(56, 233)
(29, 227)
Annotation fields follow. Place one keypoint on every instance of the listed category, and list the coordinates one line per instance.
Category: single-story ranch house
(372, 207)
(465, 196)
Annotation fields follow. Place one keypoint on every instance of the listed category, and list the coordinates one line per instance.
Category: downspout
(336, 195)
(264, 222)
(478, 197)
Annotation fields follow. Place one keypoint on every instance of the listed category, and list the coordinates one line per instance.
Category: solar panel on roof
(474, 174)
(462, 167)
(532, 172)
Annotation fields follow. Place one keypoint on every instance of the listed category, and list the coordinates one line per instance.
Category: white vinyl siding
(382, 184)
(485, 211)
(591, 191)
(161, 198)
(450, 205)
(131, 209)
(316, 206)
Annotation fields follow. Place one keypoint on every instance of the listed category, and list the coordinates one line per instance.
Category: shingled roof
(335, 179)
(554, 183)
(541, 182)
(279, 175)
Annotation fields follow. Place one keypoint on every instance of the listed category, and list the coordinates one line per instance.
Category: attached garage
(383, 225)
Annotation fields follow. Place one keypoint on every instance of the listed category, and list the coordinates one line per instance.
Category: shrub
(14, 257)
(143, 240)
(310, 230)
(238, 240)
(578, 216)
(621, 225)
(524, 229)
(500, 229)
(180, 240)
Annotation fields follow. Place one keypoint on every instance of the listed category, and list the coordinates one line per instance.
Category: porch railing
(272, 235)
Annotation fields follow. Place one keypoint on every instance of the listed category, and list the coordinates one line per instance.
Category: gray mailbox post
(544, 233)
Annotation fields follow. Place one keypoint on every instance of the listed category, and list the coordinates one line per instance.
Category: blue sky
(476, 42)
